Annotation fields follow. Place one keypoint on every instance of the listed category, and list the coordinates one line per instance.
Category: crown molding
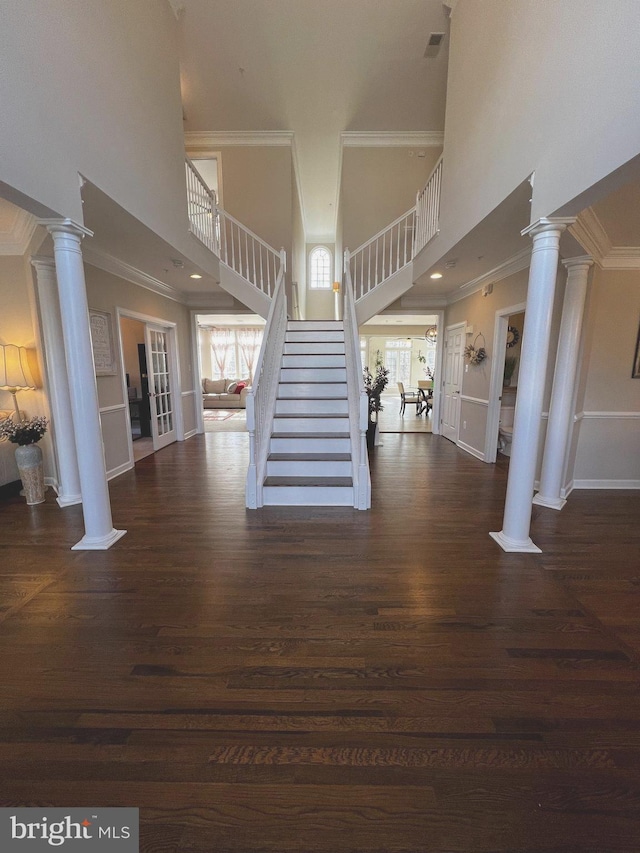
(203, 142)
(622, 258)
(590, 233)
(104, 261)
(15, 239)
(392, 139)
(512, 265)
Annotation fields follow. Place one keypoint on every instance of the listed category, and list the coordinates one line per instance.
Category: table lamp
(15, 373)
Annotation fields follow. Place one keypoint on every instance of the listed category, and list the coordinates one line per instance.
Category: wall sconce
(15, 371)
(336, 287)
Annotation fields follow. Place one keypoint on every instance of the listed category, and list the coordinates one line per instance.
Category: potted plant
(510, 363)
(26, 434)
(374, 385)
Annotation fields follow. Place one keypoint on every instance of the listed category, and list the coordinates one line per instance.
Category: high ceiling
(317, 68)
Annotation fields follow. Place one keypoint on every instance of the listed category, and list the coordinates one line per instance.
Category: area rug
(220, 414)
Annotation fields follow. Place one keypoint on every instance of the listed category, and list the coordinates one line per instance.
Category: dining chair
(407, 397)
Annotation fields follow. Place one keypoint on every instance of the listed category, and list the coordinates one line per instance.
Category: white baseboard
(120, 469)
(606, 484)
(564, 493)
(51, 481)
(472, 450)
(190, 434)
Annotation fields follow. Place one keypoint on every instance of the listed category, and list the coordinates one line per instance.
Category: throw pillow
(213, 386)
(239, 387)
(231, 388)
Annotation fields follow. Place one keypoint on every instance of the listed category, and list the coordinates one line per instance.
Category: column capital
(577, 262)
(44, 262)
(65, 226)
(546, 224)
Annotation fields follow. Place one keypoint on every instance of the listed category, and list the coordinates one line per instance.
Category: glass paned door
(161, 394)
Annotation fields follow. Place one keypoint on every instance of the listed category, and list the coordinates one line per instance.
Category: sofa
(225, 393)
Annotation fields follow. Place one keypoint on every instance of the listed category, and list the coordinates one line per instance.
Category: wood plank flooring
(296, 680)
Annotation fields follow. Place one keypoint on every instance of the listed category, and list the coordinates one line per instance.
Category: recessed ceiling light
(436, 275)
(195, 275)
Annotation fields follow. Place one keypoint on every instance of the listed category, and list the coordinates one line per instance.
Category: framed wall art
(102, 343)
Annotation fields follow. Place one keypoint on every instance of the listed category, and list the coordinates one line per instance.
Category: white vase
(31, 470)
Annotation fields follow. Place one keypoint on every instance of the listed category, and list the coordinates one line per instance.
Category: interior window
(320, 269)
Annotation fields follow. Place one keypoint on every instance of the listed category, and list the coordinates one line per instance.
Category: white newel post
(527, 422)
(561, 408)
(99, 531)
(68, 476)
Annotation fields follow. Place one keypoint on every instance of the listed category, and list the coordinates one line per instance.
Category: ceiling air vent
(433, 45)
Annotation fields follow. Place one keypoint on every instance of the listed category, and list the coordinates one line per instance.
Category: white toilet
(507, 410)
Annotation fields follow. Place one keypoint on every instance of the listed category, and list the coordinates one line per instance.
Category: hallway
(294, 679)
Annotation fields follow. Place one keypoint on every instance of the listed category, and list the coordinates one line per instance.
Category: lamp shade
(15, 373)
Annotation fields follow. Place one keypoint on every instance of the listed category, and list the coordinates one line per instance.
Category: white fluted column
(58, 382)
(514, 535)
(564, 379)
(99, 531)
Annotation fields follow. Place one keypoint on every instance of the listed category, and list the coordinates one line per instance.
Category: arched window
(320, 269)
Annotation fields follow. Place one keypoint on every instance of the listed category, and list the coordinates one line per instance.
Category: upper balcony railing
(428, 209)
(237, 246)
(202, 208)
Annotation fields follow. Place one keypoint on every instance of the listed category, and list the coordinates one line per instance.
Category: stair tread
(306, 435)
(298, 399)
(308, 481)
(309, 457)
(310, 415)
(311, 381)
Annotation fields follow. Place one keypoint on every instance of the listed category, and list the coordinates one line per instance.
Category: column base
(552, 503)
(68, 500)
(87, 543)
(514, 546)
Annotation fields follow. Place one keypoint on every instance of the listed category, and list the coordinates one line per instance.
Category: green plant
(374, 385)
(510, 363)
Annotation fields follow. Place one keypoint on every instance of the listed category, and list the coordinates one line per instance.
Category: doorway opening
(134, 359)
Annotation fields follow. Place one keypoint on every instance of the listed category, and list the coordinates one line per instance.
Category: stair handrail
(247, 254)
(261, 398)
(428, 209)
(358, 399)
(387, 252)
(202, 207)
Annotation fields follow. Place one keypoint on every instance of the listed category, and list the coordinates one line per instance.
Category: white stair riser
(313, 374)
(303, 424)
(309, 445)
(315, 407)
(314, 325)
(307, 495)
(324, 348)
(312, 390)
(318, 360)
(308, 468)
(297, 337)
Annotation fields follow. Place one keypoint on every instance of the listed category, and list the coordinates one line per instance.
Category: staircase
(310, 461)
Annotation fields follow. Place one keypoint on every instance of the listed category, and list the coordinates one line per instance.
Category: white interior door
(161, 392)
(454, 343)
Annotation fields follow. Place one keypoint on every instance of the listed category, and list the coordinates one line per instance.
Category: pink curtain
(221, 343)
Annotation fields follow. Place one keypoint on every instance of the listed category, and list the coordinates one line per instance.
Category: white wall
(544, 86)
(93, 88)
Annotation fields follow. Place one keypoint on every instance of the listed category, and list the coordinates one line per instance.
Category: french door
(161, 394)
(454, 343)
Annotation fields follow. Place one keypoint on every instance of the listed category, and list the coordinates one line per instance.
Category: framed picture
(635, 372)
(102, 343)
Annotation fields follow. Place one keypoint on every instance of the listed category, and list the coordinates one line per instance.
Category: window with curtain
(397, 358)
(234, 352)
(320, 269)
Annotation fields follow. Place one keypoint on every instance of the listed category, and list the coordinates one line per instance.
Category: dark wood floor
(328, 680)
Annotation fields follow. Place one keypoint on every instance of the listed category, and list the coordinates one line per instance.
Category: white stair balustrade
(358, 402)
(261, 399)
(202, 208)
(428, 209)
(310, 460)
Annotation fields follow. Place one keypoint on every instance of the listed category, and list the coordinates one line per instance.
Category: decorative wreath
(513, 336)
(473, 353)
